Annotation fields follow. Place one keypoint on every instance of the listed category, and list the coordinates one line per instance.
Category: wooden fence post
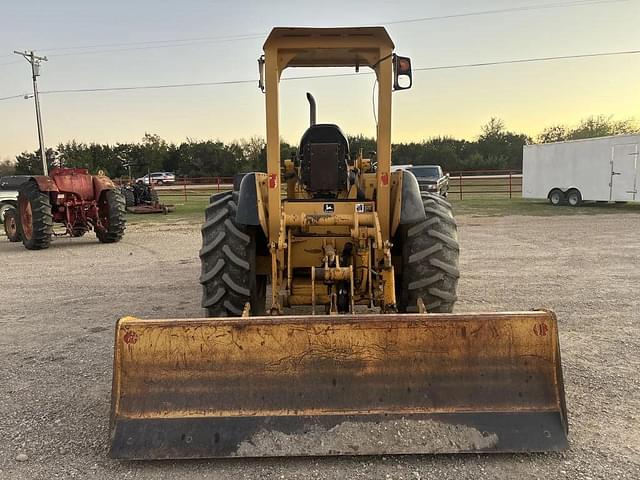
(510, 185)
(184, 184)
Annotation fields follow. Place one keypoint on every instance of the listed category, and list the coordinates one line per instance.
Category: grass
(501, 205)
(189, 211)
(484, 205)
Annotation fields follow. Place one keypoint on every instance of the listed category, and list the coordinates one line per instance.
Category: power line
(576, 3)
(311, 77)
(22, 95)
(149, 47)
(177, 40)
(527, 60)
(149, 87)
(152, 44)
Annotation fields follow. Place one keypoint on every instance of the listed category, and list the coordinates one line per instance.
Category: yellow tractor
(376, 364)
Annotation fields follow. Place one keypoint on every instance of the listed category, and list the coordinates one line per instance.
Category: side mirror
(402, 79)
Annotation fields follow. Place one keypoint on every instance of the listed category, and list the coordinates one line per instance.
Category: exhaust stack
(312, 109)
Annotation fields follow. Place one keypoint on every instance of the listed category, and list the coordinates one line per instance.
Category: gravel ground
(59, 306)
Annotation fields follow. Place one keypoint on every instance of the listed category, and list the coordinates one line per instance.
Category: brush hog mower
(377, 364)
(141, 198)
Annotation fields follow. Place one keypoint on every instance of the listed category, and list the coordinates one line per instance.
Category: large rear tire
(430, 253)
(228, 258)
(129, 197)
(11, 225)
(36, 218)
(111, 208)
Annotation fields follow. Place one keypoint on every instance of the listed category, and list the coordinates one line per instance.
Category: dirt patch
(367, 438)
(59, 306)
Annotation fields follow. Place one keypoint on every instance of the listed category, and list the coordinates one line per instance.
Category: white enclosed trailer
(599, 169)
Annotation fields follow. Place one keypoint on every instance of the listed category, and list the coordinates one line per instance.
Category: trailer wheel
(11, 225)
(556, 197)
(574, 198)
(228, 258)
(36, 218)
(430, 253)
(112, 212)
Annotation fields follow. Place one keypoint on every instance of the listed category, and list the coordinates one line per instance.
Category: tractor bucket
(337, 385)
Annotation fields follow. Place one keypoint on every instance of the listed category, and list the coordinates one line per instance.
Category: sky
(154, 42)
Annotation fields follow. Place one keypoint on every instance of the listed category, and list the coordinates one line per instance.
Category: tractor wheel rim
(26, 218)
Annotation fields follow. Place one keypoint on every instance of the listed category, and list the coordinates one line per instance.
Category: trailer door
(624, 173)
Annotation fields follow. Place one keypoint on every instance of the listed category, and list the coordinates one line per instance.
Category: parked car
(158, 178)
(8, 200)
(431, 178)
(9, 187)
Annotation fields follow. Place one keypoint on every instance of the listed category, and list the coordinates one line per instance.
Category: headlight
(432, 187)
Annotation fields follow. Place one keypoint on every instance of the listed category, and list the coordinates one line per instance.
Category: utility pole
(34, 60)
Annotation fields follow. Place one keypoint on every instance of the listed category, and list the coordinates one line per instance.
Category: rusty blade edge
(319, 413)
(341, 319)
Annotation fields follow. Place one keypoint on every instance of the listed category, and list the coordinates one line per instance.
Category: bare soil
(58, 309)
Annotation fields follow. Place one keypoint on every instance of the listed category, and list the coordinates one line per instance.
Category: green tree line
(496, 147)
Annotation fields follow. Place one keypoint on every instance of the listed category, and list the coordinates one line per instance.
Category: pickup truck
(431, 178)
(9, 187)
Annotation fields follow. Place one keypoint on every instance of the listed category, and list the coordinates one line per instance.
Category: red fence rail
(461, 184)
(483, 182)
(186, 187)
(185, 180)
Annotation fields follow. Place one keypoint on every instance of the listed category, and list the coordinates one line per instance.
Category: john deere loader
(329, 283)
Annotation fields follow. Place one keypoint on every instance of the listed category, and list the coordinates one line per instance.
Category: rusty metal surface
(102, 183)
(269, 386)
(45, 184)
(76, 181)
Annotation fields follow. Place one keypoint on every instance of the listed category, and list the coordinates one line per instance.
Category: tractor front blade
(337, 385)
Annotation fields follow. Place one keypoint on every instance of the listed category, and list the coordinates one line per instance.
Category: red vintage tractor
(74, 198)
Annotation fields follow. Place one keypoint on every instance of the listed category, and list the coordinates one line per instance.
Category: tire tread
(227, 259)
(430, 253)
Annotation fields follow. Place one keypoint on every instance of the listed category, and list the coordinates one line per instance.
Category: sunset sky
(155, 42)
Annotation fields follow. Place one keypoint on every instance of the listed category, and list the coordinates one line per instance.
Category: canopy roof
(329, 47)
